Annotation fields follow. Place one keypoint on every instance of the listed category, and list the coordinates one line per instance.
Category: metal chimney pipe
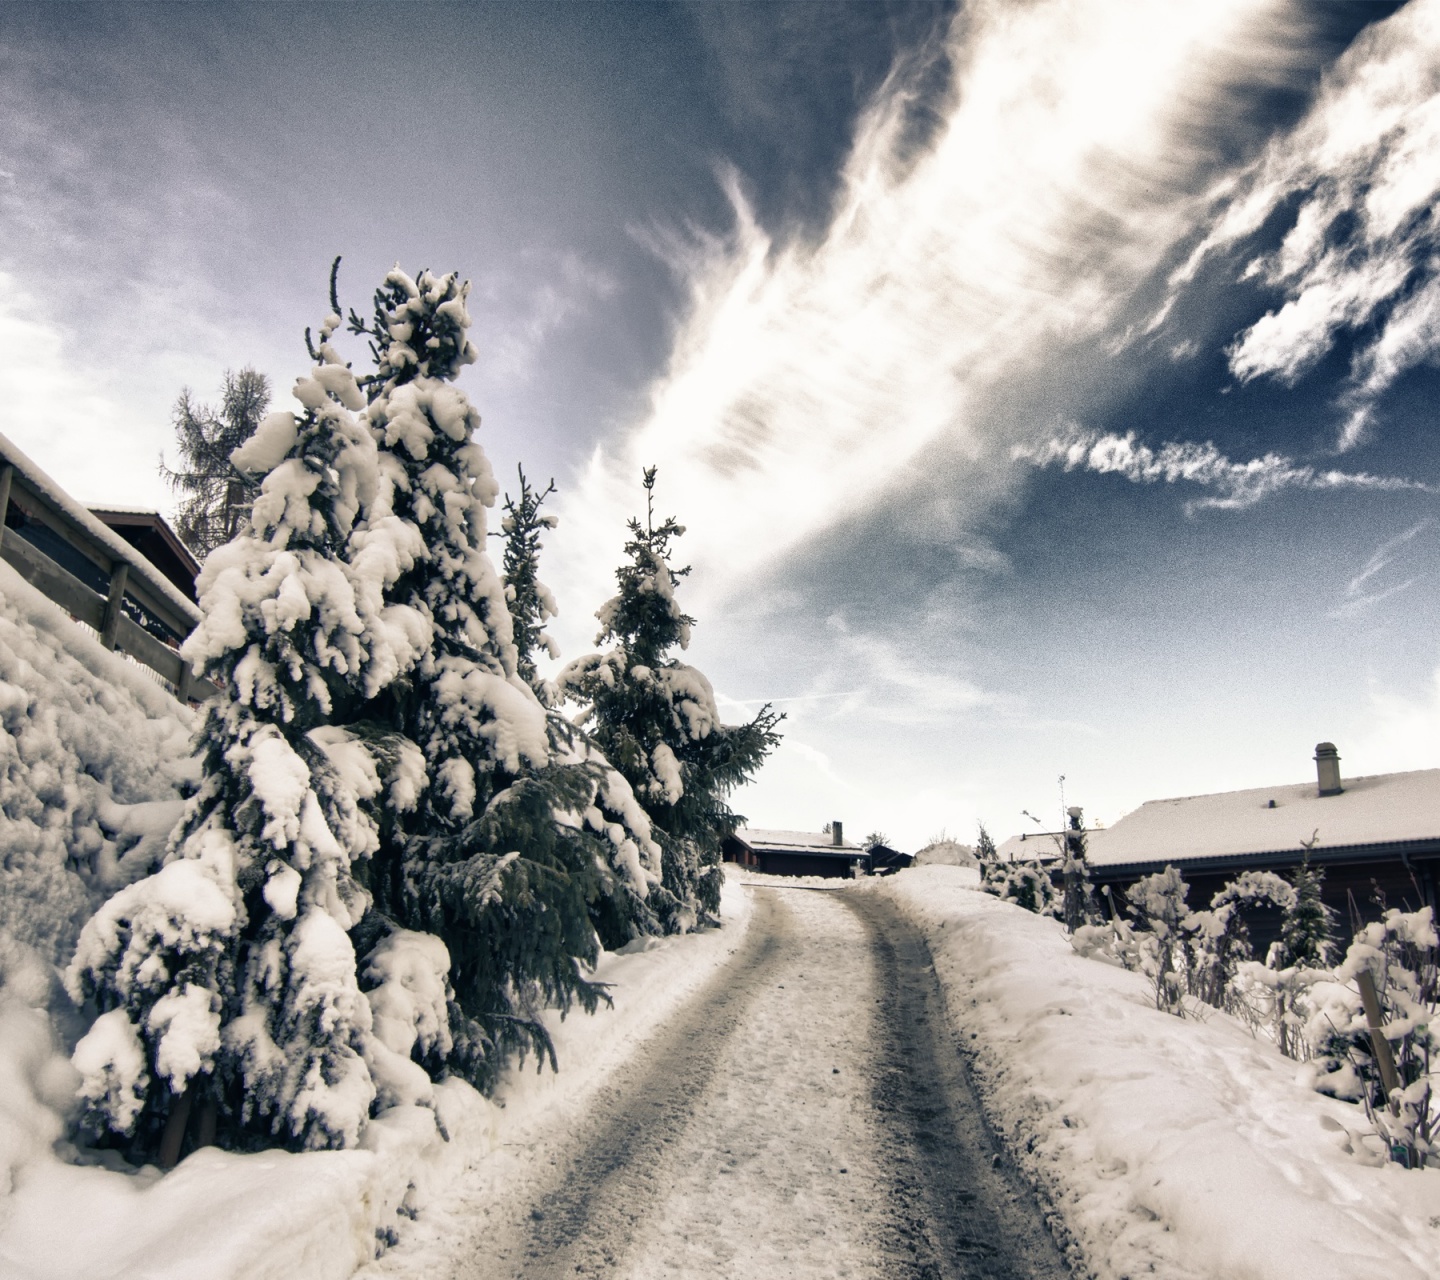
(1327, 769)
(837, 832)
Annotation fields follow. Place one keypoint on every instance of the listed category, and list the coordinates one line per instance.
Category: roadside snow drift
(1178, 1147)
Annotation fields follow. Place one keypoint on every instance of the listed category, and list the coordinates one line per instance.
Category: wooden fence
(132, 608)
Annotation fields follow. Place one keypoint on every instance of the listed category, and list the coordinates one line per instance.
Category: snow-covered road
(805, 1115)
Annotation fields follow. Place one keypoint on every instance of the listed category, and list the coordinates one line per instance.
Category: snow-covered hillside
(92, 757)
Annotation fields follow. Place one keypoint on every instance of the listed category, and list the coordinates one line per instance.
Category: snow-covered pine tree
(985, 851)
(229, 972)
(632, 861)
(656, 721)
(1307, 928)
(1158, 904)
(531, 603)
(507, 849)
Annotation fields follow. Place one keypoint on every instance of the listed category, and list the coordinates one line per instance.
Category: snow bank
(649, 980)
(92, 754)
(1181, 1147)
(320, 1215)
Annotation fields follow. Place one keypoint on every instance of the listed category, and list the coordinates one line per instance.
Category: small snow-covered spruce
(1307, 928)
(630, 865)
(229, 973)
(985, 851)
(656, 721)
(506, 850)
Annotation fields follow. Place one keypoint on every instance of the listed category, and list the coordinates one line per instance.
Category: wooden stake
(1384, 1059)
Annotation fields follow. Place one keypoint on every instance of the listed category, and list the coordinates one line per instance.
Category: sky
(1046, 388)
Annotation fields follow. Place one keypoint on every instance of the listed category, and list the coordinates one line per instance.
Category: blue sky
(1047, 389)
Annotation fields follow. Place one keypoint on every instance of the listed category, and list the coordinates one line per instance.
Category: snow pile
(318, 1214)
(92, 756)
(1177, 1146)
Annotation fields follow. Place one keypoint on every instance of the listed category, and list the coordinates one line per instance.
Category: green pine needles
(656, 721)
(401, 853)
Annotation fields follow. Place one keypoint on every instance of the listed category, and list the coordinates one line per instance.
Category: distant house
(151, 535)
(1379, 832)
(796, 853)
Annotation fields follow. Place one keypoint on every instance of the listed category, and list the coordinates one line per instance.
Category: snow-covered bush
(1401, 954)
(1220, 938)
(656, 722)
(1026, 884)
(1158, 905)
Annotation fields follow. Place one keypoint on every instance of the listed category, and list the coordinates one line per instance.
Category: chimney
(1327, 768)
(837, 830)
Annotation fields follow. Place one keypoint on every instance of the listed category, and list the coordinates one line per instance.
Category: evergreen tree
(631, 865)
(1307, 928)
(985, 851)
(508, 848)
(230, 971)
(656, 721)
(530, 601)
(216, 496)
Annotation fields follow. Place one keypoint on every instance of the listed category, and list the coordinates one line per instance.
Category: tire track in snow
(961, 1207)
(806, 1116)
(582, 1223)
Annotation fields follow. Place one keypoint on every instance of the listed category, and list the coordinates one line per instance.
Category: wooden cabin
(796, 853)
(1373, 837)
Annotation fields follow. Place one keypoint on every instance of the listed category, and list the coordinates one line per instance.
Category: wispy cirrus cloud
(1069, 159)
(1232, 485)
(1361, 173)
(1363, 592)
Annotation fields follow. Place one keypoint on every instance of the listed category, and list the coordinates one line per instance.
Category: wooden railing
(135, 586)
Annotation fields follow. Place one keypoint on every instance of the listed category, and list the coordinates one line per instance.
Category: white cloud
(806, 377)
(1235, 485)
(1362, 171)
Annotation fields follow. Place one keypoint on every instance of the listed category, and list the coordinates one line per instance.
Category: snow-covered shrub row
(400, 853)
(1184, 1148)
(92, 760)
(1310, 1010)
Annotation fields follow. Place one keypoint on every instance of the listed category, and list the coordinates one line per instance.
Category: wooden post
(119, 575)
(7, 474)
(1384, 1059)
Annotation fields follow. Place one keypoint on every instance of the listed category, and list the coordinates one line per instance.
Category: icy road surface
(806, 1114)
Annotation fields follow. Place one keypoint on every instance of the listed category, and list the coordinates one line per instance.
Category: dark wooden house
(796, 853)
(1376, 836)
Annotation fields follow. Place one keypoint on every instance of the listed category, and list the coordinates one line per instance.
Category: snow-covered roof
(1385, 808)
(794, 841)
(1030, 846)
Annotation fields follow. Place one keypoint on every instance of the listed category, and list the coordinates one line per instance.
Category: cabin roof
(794, 841)
(1382, 809)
